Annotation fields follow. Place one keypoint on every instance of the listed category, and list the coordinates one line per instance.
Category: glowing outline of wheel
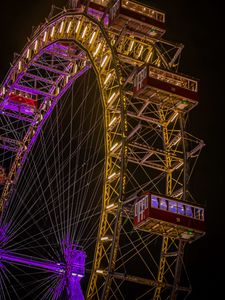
(122, 175)
(113, 168)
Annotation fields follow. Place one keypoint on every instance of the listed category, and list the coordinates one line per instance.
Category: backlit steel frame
(127, 118)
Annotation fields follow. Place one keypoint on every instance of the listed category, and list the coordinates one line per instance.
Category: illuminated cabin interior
(169, 217)
(21, 102)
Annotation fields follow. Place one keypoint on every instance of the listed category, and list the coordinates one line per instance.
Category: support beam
(49, 266)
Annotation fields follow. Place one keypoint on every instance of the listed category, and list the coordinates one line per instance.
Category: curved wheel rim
(91, 39)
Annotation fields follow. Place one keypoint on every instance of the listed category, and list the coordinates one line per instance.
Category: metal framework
(146, 144)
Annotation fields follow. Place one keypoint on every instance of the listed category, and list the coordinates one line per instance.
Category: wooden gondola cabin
(178, 91)
(168, 216)
(22, 102)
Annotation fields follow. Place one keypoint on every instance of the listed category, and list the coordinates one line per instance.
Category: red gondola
(169, 216)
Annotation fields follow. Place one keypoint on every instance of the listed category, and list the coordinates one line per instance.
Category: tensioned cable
(134, 248)
(26, 242)
(117, 289)
(21, 220)
(52, 178)
(84, 172)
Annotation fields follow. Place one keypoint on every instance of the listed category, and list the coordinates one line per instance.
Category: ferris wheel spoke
(25, 243)
(116, 292)
(39, 286)
(71, 214)
(7, 273)
(15, 231)
(88, 177)
(147, 293)
(149, 182)
(3, 286)
(134, 251)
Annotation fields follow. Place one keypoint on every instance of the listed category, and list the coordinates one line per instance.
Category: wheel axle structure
(94, 189)
(70, 273)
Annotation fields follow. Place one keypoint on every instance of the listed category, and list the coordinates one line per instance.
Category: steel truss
(146, 145)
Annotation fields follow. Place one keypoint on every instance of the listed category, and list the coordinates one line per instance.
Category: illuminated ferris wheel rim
(90, 36)
(65, 28)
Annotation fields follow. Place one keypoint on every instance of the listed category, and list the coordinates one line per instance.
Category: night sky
(199, 28)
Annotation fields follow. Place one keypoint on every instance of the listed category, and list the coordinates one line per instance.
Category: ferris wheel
(96, 160)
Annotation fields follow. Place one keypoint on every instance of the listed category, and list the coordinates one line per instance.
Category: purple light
(75, 258)
(8, 148)
(71, 271)
(48, 113)
(75, 268)
(16, 116)
(3, 235)
(25, 109)
(50, 266)
(74, 290)
(98, 15)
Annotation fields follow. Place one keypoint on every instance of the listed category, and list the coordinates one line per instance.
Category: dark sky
(199, 28)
